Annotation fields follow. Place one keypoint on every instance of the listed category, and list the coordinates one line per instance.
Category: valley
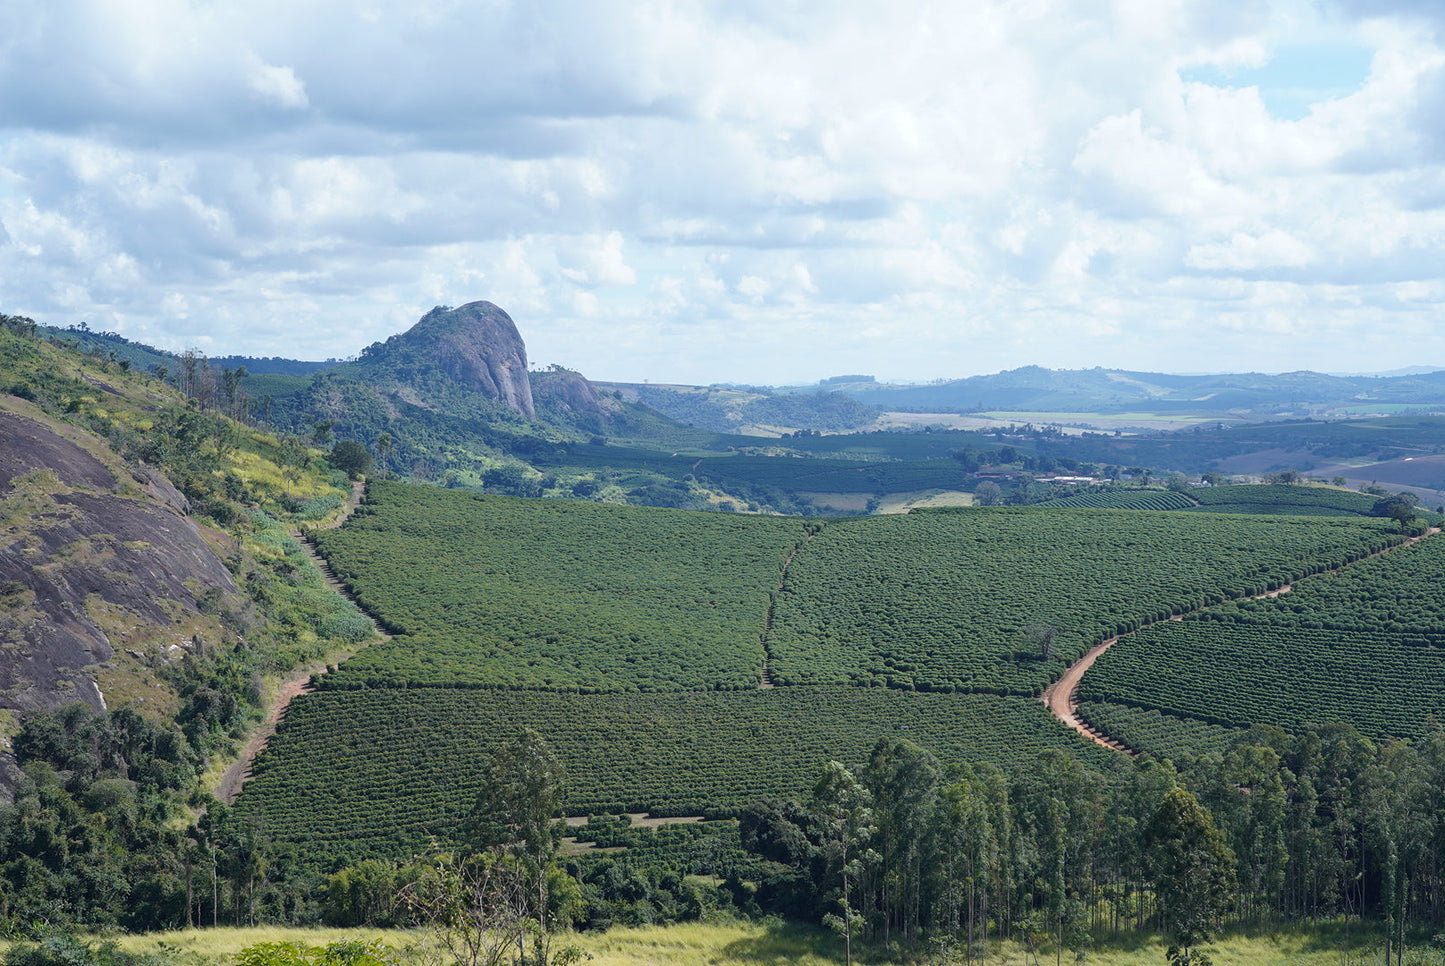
(420, 556)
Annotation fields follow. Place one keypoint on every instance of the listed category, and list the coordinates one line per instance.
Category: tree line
(905, 851)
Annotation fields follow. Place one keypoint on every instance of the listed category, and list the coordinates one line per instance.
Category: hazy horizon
(738, 192)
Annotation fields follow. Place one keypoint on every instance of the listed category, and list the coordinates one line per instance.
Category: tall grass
(776, 944)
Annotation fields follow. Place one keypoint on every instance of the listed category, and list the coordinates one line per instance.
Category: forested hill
(115, 347)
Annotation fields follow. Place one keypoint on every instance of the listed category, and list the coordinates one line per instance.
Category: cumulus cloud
(698, 190)
(278, 85)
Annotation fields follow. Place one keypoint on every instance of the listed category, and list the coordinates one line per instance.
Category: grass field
(903, 502)
(706, 944)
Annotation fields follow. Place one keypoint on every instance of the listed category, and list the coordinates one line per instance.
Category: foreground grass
(712, 944)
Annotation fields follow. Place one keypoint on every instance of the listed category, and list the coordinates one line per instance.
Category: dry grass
(713, 944)
(221, 945)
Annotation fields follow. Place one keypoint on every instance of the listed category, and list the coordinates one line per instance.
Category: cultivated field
(686, 663)
(1364, 646)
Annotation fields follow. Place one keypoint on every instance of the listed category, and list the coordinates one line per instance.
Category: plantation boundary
(1062, 697)
(298, 682)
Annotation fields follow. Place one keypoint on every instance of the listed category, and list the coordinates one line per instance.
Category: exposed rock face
(567, 390)
(476, 345)
(93, 558)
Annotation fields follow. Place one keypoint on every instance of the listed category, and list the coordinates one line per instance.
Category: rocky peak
(476, 345)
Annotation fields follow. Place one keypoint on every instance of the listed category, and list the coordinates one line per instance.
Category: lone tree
(508, 869)
(988, 493)
(351, 457)
(1193, 872)
(1400, 508)
(1041, 634)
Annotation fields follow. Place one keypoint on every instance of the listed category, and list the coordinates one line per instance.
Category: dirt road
(1062, 697)
(298, 681)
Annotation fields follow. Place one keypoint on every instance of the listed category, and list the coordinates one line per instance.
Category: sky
(757, 191)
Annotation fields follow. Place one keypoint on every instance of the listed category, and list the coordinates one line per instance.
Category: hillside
(143, 561)
(101, 568)
(474, 348)
(446, 402)
(703, 667)
(686, 663)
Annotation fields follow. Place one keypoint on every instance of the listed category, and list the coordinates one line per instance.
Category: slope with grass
(142, 561)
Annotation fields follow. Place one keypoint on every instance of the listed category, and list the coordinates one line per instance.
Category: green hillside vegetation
(487, 591)
(727, 410)
(110, 808)
(356, 774)
(114, 347)
(1366, 645)
(640, 644)
(1286, 498)
(242, 483)
(1275, 499)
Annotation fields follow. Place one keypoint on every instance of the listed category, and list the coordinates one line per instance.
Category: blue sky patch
(1296, 77)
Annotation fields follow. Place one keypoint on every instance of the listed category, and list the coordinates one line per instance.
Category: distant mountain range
(452, 400)
(1036, 389)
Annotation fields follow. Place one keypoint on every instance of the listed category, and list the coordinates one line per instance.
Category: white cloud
(594, 262)
(278, 85)
(1247, 252)
(683, 190)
